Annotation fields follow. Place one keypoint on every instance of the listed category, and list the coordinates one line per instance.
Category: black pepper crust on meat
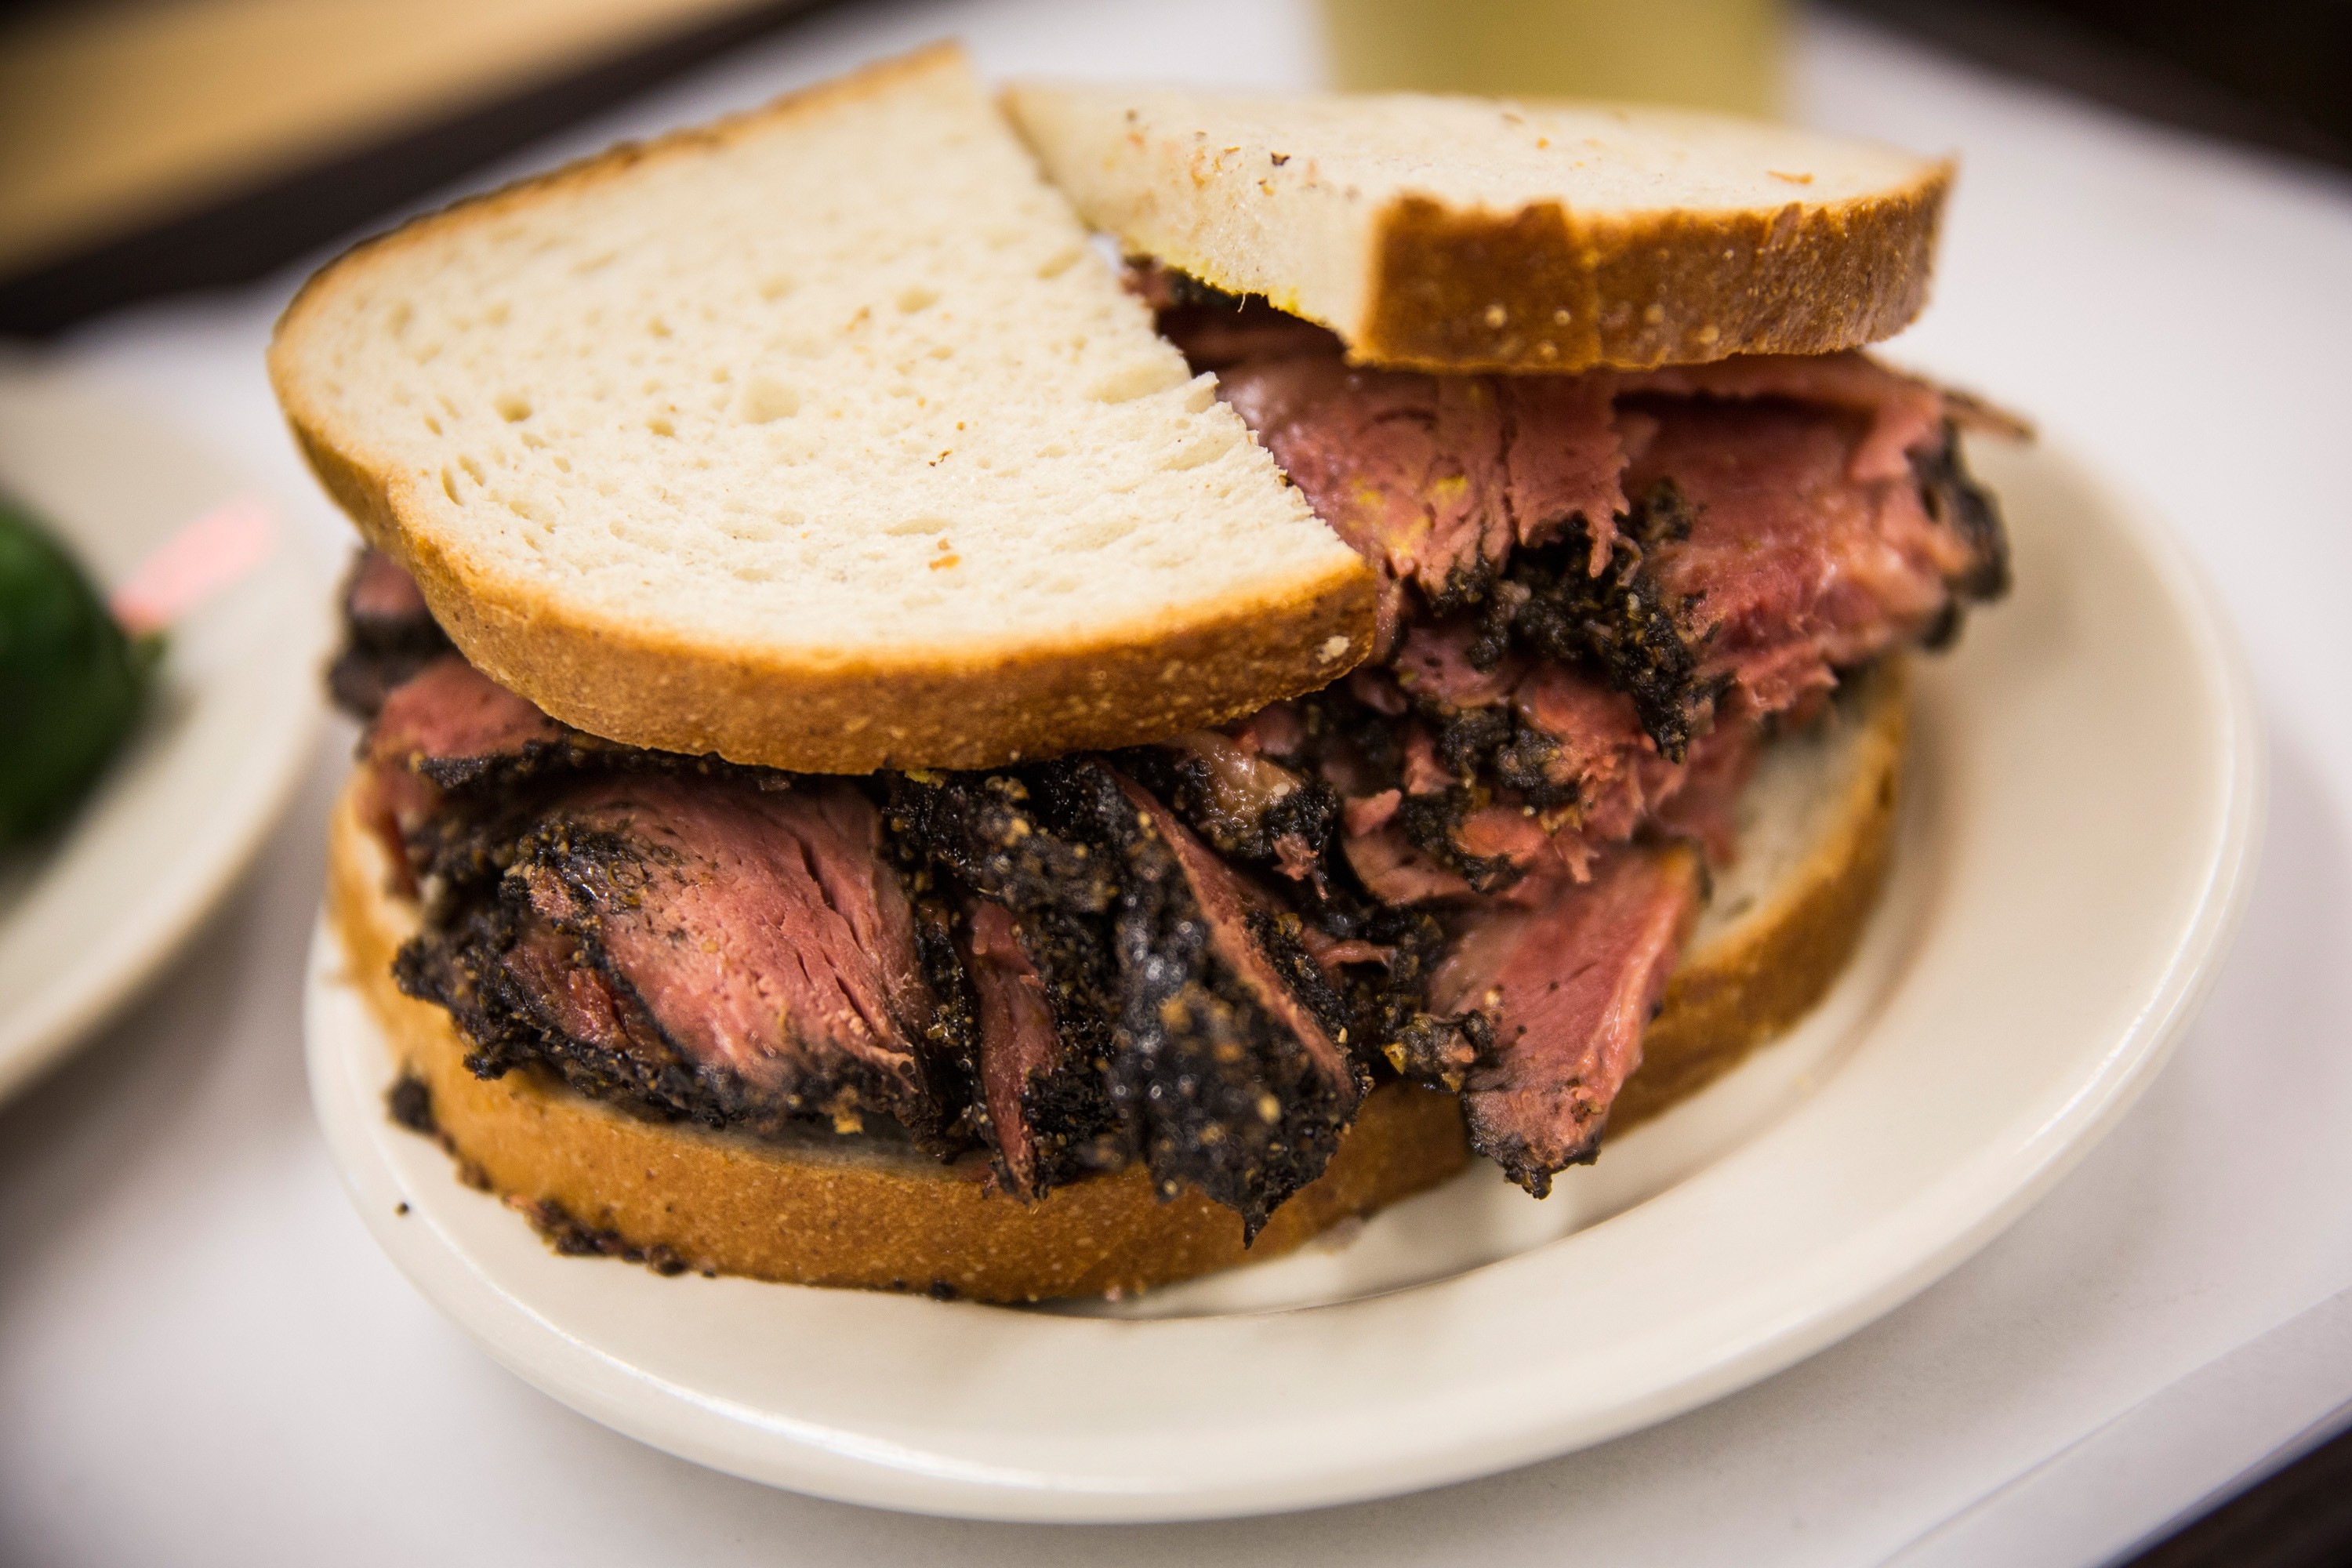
(1202, 1080)
(1618, 622)
(1954, 498)
(462, 967)
(984, 834)
(526, 967)
(501, 774)
(951, 1035)
(1477, 745)
(1274, 831)
(1223, 1095)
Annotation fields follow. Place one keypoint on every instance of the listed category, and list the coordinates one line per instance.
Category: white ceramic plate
(2077, 843)
(96, 908)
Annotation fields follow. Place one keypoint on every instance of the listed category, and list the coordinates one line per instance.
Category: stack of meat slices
(1471, 862)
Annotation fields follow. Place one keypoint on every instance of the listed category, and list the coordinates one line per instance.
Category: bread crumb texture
(1456, 232)
(836, 387)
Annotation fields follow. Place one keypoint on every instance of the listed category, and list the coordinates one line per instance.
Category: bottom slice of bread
(1815, 830)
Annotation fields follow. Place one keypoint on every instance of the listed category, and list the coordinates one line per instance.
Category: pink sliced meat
(1407, 468)
(1600, 751)
(1622, 781)
(1565, 459)
(1904, 413)
(1603, 748)
(1266, 814)
(1018, 1041)
(571, 997)
(452, 722)
(1566, 988)
(389, 635)
(382, 595)
(1793, 566)
(1433, 478)
(1276, 730)
(761, 931)
(1433, 663)
(1396, 870)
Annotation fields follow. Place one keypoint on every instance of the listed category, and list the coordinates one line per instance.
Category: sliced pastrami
(1565, 989)
(1595, 741)
(526, 994)
(1565, 461)
(1957, 503)
(993, 832)
(1049, 1109)
(1004, 839)
(1904, 413)
(457, 728)
(388, 635)
(1246, 804)
(1187, 988)
(1746, 527)
(761, 933)
(454, 726)
(1017, 1039)
(1392, 868)
(1439, 664)
(1791, 567)
(1618, 623)
(1229, 908)
(1235, 1064)
(1407, 468)
(1434, 477)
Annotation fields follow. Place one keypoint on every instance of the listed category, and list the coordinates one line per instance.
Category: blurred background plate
(97, 906)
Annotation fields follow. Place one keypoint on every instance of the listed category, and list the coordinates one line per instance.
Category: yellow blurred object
(111, 115)
(1711, 54)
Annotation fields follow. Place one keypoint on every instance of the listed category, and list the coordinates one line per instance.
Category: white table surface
(204, 1359)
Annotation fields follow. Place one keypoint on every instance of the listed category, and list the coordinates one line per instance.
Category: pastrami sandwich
(900, 755)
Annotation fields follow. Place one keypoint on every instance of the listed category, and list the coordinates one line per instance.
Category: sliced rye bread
(1815, 830)
(1463, 234)
(819, 437)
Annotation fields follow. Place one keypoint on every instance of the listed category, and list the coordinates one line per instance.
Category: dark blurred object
(2277, 73)
(153, 146)
(71, 682)
(2299, 1518)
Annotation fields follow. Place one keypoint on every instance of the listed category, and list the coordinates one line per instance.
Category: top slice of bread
(1461, 233)
(821, 438)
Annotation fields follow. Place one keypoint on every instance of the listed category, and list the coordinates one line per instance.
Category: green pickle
(71, 682)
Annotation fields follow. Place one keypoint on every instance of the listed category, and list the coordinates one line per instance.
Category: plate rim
(65, 1017)
(823, 1464)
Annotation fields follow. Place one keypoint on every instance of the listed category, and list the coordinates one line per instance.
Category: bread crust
(1427, 276)
(813, 713)
(1541, 290)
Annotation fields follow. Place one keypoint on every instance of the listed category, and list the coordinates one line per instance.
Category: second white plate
(2076, 847)
(92, 911)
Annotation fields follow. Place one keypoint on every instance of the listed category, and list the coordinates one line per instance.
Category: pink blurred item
(203, 557)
